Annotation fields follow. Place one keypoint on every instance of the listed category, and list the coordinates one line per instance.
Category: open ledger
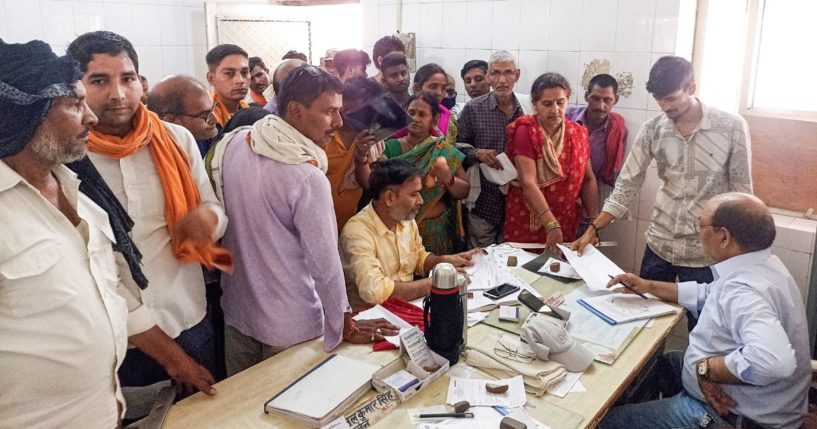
(325, 391)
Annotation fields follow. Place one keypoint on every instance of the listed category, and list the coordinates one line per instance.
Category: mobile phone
(536, 305)
(500, 291)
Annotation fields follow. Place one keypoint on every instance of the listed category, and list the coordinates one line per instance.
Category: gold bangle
(552, 225)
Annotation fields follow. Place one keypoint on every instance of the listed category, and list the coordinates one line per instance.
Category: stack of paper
(473, 391)
(380, 312)
(321, 395)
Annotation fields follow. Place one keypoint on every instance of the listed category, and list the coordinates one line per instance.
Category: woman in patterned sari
(445, 183)
(552, 155)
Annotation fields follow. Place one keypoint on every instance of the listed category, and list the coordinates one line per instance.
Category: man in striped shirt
(700, 152)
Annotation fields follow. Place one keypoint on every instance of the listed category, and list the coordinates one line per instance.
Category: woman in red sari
(552, 156)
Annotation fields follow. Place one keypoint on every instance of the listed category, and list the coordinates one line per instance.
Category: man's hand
(362, 143)
(631, 280)
(716, 397)
(197, 226)
(589, 237)
(370, 331)
(191, 376)
(488, 156)
(463, 259)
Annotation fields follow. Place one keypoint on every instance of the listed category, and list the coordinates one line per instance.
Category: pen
(447, 415)
(629, 288)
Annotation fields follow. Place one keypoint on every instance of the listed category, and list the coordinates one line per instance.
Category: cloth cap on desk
(549, 339)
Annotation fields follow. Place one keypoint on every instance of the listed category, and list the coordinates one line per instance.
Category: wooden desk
(240, 399)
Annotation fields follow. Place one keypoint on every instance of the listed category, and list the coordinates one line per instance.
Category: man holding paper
(700, 152)
(748, 356)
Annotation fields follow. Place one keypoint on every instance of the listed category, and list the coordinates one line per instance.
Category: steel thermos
(443, 313)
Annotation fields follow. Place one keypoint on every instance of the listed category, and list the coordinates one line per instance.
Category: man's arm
(313, 216)
(628, 185)
(740, 159)
(465, 134)
(665, 291)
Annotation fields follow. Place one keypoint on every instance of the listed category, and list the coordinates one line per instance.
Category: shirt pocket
(30, 282)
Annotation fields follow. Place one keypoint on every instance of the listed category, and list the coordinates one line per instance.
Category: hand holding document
(593, 266)
(500, 177)
(379, 312)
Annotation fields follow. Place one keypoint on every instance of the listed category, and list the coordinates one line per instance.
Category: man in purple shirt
(608, 134)
(288, 284)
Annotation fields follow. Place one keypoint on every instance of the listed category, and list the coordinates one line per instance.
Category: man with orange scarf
(229, 75)
(154, 170)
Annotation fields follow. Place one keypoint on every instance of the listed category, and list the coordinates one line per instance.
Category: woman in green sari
(445, 183)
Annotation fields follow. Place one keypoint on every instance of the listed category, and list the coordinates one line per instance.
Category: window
(752, 57)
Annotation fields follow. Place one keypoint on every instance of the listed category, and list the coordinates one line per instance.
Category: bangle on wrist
(541, 213)
(552, 225)
(595, 228)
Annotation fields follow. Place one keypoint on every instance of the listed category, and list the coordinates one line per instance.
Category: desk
(240, 399)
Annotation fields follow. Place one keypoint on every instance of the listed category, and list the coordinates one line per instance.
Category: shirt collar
(67, 178)
(580, 118)
(494, 104)
(706, 118)
(380, 228)
(723, 268)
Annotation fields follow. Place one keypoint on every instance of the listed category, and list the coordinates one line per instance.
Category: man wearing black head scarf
(63, 324)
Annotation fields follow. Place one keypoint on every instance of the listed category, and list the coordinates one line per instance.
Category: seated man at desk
(747, 364)
(381, 249)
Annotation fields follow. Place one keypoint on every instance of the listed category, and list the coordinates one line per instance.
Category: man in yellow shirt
(380, 247)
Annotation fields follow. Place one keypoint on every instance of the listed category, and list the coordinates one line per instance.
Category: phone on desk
(500, 291)
(536, 305)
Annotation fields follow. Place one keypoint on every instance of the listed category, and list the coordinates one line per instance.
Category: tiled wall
(169, 35)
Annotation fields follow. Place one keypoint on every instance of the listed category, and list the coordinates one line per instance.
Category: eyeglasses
(699, 226)
(506, 352)
(204, 116)
(310, 69)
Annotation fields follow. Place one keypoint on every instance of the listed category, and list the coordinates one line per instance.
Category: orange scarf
(222, 114)
(181, 193)
(258, 98)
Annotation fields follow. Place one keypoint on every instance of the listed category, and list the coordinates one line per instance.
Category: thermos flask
(443, 313)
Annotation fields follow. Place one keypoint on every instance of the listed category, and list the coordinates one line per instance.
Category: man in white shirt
(156, 173)
(63, 325)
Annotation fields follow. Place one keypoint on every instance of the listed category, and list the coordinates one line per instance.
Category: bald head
(283, 70)
(183, 100)
(745, 216)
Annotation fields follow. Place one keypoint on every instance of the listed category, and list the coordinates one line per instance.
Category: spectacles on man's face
(204, 115)
(699, 226)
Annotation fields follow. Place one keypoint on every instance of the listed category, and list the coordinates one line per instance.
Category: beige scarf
(549, 169)
(274, 138)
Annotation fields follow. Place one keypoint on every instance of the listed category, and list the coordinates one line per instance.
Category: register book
(322, 394)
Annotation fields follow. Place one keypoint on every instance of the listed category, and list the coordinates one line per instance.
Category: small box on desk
(384, 379)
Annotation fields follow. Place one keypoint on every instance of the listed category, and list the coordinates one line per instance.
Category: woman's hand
(373, 330)
(440, 170)
(554, 237)
(589, 237)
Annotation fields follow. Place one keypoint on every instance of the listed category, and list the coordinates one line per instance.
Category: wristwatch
(702, 368)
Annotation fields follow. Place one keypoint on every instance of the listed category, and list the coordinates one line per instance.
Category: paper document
(562, 388)
(598, 336)
(416, 347)
(500, 177)
(473, 391)
(593, 266)
(476, 317)
(501, 252)
(378, 312)
(619, 308)
(565, 270)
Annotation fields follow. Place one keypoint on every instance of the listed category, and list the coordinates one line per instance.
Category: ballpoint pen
(630, 288)
(447, 415)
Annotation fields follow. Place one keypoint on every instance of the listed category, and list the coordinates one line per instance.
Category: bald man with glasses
(182, 100)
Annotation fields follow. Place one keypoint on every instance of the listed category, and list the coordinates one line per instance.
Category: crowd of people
(189, 233)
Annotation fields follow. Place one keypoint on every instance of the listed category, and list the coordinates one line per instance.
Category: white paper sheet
(501, 252)
(473, 391)
(378, 312)
(562, 388)
(500, 177)
(593, 266)
(476, 317)
(586, 326)
(565, 270)
(626, 307)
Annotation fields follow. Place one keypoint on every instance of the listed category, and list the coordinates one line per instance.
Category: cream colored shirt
(715, 159)
(175, 298)
(374, 257)
(63, 328)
